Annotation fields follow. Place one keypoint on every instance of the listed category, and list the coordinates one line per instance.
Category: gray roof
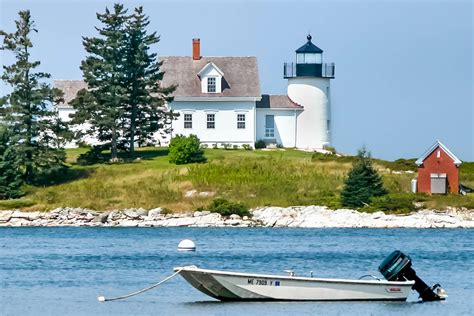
(240, 76)
(277, 102)
(70, 89)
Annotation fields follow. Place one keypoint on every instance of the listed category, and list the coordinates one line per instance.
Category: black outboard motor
(397, 267)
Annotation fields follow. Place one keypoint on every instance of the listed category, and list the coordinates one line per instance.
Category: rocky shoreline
(296, 216)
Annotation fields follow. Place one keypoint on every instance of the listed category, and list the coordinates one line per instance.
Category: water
(61, 271)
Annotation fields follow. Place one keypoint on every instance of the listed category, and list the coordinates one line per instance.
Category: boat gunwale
(293, 278)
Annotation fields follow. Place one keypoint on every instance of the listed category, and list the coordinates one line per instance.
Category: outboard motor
(397, 267)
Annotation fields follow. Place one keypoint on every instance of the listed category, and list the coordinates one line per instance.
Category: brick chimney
(196, 49)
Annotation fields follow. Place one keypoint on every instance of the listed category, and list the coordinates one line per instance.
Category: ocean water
(61, 271)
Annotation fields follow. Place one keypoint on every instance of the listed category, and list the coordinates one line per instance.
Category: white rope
(103, 299)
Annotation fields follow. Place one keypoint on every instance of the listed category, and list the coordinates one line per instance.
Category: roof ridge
(437, 144)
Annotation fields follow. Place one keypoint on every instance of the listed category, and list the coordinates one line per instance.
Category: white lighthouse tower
(309, 86)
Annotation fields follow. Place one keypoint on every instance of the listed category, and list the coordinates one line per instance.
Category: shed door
(438, 183)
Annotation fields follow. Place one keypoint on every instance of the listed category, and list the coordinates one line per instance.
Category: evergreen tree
(10, 174)
(102, 105)
(144, 114)
(25, 111)
(362, 183)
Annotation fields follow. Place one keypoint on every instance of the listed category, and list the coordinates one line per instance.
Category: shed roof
(437, 144)
(277, 102)
(240, 79)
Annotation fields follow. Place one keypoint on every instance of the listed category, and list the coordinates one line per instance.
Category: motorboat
(238, 286)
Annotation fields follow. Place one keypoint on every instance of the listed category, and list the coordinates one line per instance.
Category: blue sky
(404, 69)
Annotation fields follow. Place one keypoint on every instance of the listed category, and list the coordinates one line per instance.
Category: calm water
(61, 271)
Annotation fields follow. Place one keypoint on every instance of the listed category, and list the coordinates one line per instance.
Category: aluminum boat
(233, 286)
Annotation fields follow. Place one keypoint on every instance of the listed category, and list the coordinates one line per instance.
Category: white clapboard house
(219, 100)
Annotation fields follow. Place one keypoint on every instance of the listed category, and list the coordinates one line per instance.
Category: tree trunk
(132, 131)
(113, 149)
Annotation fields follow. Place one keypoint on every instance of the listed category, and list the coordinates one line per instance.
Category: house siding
(225, 131)
(285, 126)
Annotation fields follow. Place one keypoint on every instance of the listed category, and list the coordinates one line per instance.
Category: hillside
(257, 178)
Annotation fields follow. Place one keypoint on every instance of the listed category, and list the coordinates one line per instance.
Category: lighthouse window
(211, 84)
(309, 58)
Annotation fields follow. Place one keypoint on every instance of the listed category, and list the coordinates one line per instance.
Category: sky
(404, 69)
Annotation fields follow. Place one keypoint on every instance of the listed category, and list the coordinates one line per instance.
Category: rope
(103, 299)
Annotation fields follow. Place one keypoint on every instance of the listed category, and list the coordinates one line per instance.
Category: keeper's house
(438, 170)
(219, 100)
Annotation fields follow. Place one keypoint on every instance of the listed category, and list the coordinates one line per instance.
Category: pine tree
(144, 114)
(10, 174)
(25, 111)
(102, 104)
(362, 183)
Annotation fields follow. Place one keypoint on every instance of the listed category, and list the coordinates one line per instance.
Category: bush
(226, 146)
(246, 147)
(398, 203)
(184, 150)
(226, 208)
(93, 155)
(259, 144)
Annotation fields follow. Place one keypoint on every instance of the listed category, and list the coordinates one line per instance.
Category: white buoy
(186, 245)
(101, 299)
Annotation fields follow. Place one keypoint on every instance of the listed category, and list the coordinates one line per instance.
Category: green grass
(253, 177)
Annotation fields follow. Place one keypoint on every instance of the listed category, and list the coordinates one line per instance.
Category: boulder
(5, 216)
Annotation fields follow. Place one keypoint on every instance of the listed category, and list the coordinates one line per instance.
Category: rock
(190, 193)
(234, 216)
(135, 213)
(5, 216)
(232, 222)
(101, 218)
(156, 212)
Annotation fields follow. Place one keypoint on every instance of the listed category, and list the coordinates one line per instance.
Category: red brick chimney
(196, 49)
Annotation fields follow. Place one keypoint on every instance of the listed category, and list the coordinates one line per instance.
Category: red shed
(438, 170)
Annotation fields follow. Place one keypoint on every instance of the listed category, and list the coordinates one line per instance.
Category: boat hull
(231, 286)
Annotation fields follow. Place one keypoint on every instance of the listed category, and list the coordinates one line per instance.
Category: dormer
(211, 78)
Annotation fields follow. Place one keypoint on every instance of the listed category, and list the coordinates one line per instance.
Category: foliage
(184, 150)
(362, 183)
(102, 104)
(93, 155)
(10, 173)
(247, 147)
(124, 101)
(227, 208)
(259, 144)
(37, 132)
(146, 97)
(397, 203)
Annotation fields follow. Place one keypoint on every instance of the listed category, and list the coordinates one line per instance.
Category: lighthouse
(309, 86)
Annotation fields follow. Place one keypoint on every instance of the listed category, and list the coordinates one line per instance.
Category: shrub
(330, 148)
(215, 146)
(226, 146)
(259, 144)
(184, 150)
(398, 203)
(363, 182)
(246, 147)
(235, 147)
(226, 208)
(93, 155)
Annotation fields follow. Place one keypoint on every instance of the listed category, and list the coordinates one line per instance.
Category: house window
(211, 84)
(269, 126)
(211, 121)
(240, 121)
(188, 121)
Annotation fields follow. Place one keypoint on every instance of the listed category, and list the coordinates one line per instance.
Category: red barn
(438, 170)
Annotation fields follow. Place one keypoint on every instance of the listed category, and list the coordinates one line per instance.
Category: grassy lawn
(256, 178)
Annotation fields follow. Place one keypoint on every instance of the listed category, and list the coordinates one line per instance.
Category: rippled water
(61, 271)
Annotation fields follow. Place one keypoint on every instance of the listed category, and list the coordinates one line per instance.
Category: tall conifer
(144, 113)
(26, 110)
(102, 105)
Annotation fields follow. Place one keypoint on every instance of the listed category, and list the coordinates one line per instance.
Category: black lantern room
(309, 63)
